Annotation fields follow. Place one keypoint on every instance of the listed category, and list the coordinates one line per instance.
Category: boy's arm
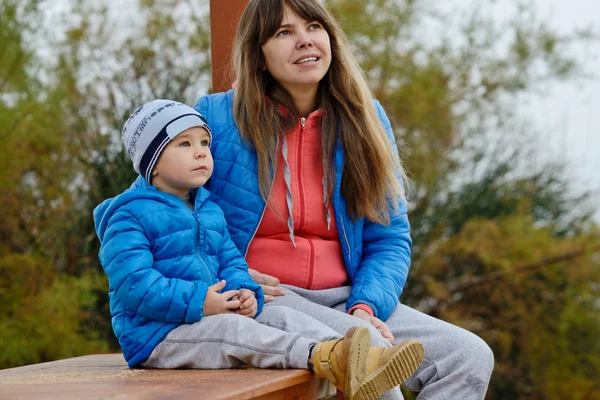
(234, 269)
(127, 259)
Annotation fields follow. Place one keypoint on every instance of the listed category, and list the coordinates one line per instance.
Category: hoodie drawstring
(287, 177)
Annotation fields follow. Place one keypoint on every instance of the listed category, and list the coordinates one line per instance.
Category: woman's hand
(376, 322)
(219, 303)
(249, 304)
(268, 283)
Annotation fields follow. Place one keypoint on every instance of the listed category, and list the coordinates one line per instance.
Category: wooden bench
(106, 376)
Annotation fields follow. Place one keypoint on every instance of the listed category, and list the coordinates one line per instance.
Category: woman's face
(299, 54)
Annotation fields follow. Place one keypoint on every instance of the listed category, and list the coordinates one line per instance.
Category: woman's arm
(386, 253)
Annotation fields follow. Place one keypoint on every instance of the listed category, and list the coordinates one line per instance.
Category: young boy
(180, 293)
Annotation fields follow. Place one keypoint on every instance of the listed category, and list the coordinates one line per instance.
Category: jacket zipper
(205, 271)
(299, 169)
(260, 220)
(341, 222)
(255, 230)
(311, 246)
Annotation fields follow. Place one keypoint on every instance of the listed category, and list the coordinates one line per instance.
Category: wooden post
(224, 17)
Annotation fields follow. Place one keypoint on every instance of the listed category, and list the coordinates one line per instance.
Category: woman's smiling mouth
(306, 59)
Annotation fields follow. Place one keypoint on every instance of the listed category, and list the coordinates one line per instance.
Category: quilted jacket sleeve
(127, 259)
(383, 271)
(234, 269)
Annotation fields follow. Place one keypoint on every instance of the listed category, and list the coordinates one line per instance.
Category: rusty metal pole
(224, 17)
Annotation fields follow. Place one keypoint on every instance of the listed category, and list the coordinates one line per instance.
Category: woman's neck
(305, 100)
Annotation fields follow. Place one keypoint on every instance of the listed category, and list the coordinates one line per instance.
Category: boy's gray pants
(457, 364)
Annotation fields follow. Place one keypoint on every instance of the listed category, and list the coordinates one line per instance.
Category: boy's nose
(201, 152)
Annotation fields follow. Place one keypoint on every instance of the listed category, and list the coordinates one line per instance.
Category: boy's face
(185, 163)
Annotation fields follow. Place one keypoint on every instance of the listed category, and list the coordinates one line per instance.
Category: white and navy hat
(152, 126)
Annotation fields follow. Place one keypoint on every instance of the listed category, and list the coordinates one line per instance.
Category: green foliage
(538, 316)
(46, 317)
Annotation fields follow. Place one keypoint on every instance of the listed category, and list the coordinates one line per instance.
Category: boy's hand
(216, 303)
(249, 304)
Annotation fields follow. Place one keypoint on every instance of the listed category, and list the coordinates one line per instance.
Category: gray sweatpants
(280, 337)
(457, 365)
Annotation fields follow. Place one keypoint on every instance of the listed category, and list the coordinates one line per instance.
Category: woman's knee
(473, 353)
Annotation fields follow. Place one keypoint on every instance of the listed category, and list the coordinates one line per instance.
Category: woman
(308, 177)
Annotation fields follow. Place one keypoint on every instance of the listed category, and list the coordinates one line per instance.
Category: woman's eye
(315, 25)
(284, 32)
(184, 144)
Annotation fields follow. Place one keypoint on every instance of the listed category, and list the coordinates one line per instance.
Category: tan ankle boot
(343, 362)
(363, 372)
(388, 368)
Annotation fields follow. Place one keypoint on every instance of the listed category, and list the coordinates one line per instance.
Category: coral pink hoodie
(316, 262)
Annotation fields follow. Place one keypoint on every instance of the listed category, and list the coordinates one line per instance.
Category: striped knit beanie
(152, 126)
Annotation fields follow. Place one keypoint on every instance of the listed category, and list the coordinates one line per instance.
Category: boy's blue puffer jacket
(160, 258)
(377, 257)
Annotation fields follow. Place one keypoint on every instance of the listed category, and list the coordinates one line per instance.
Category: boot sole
(402, 364)
(356, 367)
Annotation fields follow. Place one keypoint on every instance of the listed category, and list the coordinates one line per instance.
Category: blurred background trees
(503, 245)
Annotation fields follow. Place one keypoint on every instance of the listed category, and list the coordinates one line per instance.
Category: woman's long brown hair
(372, 170)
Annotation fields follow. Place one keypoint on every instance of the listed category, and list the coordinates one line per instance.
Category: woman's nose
(304, 40)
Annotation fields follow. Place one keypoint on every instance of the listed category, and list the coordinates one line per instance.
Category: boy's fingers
(244, 311)
(232, 305)
(248, 302)
(218, 286)
(229, 294)
(245, 295)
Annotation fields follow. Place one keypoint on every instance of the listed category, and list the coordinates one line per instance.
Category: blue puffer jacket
(160, 258)
(377, 257)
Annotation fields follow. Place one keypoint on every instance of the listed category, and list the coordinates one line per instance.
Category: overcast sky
(570, 113)
(565, 115)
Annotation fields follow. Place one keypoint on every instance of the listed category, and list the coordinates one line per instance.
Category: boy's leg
(293, 321)
(230, 341)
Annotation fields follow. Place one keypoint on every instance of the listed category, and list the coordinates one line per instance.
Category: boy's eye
(205, 142)
(184, 144)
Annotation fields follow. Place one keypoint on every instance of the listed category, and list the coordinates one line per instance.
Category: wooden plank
(224, 17)
(107, 376)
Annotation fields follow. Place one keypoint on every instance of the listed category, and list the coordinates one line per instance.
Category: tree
(43, 315)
